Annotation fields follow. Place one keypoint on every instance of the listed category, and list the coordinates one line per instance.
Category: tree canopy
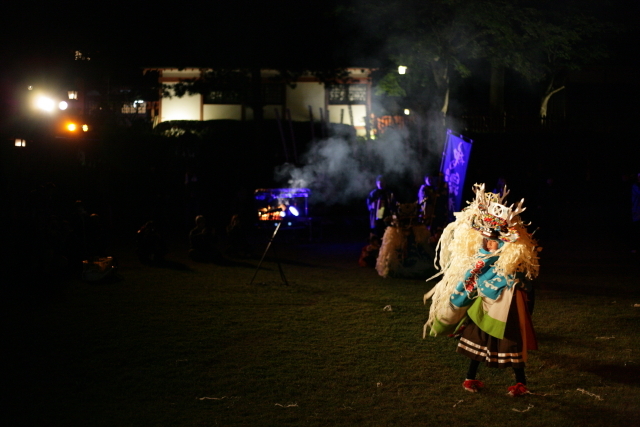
(440, 39)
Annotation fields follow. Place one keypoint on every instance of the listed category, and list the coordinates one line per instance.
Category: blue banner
(455, 160)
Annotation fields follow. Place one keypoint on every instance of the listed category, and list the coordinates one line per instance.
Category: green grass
(200, 346)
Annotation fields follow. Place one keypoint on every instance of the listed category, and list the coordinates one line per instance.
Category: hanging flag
(455, 160)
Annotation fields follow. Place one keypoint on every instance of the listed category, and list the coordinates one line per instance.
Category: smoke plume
(339, 170)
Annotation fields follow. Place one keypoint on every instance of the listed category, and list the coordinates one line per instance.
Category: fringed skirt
(511, 351)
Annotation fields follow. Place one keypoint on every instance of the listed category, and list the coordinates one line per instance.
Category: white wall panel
(185, 108)
(222, 112)
(305, 94)
(359, 114)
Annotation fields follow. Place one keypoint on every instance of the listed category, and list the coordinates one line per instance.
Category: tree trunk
(445, 103)
(441, 78)
(545, 101)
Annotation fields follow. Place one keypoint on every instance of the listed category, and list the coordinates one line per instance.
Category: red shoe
(518, 390)
(472, 385)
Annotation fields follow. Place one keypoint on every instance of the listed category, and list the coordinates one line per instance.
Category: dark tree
(438, 39)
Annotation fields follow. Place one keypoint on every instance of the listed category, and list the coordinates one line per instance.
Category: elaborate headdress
(494, 220)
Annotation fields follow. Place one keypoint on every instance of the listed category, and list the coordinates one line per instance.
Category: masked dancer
(487, 260)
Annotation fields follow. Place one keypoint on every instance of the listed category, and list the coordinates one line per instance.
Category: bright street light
(45, 103)
(63, 105)
(402, 69)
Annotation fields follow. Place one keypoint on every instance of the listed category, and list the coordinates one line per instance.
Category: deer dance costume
(484, 289)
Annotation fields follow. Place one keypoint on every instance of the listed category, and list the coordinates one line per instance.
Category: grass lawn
(192, 344)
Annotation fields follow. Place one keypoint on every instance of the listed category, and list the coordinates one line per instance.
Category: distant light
(282, 214)
(79, 56)
(85, 128)
(45, 103)
(406, 112)
(402, 69)
(63, 105)
(29, 87)
(20, 142)
(73, 94)
(71, 127)
(293, 211)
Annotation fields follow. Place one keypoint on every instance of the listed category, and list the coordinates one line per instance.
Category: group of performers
(403, 236)
(486, 260)
(430, 208)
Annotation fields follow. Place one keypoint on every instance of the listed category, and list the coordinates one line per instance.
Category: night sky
(237, 33)
(164, 33)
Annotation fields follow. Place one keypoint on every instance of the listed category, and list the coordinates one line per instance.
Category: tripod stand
(273, 236)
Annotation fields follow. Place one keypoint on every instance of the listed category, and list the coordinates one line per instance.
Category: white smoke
(338, 170)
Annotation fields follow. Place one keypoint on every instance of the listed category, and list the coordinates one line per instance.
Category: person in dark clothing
(432, 199)
(381, 204)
